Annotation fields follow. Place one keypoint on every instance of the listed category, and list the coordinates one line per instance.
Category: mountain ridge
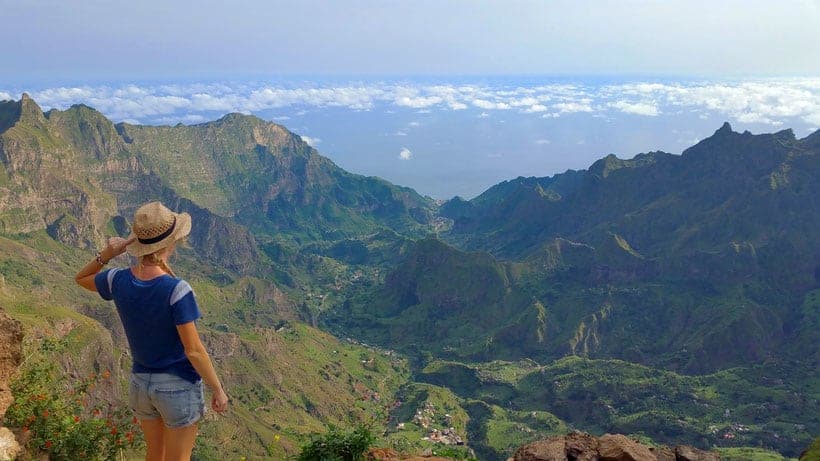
(696, 269)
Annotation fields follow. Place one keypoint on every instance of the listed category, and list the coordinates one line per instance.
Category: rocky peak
(725, 129)
(606, 165)
(30, 111)
(812, 140)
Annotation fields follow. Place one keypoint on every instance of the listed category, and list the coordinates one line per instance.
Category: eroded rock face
(11, 354)
(620, 448)
(580, 446)
(551, 449)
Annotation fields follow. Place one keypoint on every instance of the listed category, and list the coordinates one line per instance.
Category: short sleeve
(184, 308)
(104, 281)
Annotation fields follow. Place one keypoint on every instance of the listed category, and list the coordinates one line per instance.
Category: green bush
(454, 452)
(337, 445)
(61, 421)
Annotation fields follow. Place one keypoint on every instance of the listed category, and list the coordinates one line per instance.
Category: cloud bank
(771, 102)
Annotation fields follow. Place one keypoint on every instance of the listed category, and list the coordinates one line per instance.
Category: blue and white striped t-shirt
(150, 311)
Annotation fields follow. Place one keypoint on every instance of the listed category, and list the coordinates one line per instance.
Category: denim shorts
(177, 401)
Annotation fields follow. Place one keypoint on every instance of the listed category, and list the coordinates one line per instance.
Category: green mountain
(698, 264)
(646, 296)
(257, 193)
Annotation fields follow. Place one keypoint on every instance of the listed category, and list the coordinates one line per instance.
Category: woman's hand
(219, 401)
(116, 246)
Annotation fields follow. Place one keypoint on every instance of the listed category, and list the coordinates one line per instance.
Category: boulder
(620, 448)
(9, 448)
(551, 449)
(580, 446)
(663, 453)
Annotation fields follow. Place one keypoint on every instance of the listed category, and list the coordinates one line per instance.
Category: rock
(11, 354)
(687, 453)
(381, 454)
(663, 453)
(551, 449)
(620, 448)
(9, 448)
(581, 446)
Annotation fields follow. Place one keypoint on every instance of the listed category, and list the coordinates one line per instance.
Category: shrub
(59, 419)
(337, 445)
(454, 452)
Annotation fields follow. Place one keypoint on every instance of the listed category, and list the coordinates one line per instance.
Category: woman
(158, 312)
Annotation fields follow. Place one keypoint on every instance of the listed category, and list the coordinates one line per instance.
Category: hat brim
(181, 230)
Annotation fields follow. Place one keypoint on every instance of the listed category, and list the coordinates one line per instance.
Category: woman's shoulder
(181, 289)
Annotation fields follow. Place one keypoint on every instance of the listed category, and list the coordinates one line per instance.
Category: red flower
(45, 413)
(48, 444)
(106, 374)
(113, 431)
(96, 412)
(76, 419)
(135, 420)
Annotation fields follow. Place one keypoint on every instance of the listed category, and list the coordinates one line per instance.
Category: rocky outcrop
(11, 355)
(580, 446)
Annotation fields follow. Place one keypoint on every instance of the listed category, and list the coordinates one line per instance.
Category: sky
(158, 39)
(447, 97)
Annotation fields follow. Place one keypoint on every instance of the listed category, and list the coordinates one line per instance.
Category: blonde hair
(158, 257)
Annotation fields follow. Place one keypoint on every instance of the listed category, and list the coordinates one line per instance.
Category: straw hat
(156, 227)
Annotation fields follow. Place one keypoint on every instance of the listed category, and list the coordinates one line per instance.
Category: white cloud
(769, 101)
(639, 108)
(400, 133)
(570, 107)
(542, 141)
(310, 141)
(535, 108)
(190, 119)
(5, 96)
(483, 115)
(405, 154)
(418, 102)
(484, 104)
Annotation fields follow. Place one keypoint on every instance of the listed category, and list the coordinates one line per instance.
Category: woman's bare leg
(179, 442)
(154, 432)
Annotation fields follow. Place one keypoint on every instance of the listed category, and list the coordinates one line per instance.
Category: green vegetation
(672, 298)
(337, 445)
(813, 452)
(68, 420)
(749, 454)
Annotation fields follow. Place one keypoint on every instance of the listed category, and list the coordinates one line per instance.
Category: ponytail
(156, 259)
